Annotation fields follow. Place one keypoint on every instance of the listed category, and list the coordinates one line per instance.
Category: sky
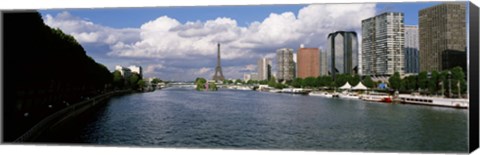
(179, 43)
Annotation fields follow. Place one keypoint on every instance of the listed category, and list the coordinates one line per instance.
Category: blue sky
(135, 17)
(166, 46)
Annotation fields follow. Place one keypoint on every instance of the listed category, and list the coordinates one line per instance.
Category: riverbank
(401, 98)
(59, 118)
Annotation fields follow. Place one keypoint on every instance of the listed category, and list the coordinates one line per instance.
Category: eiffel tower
(218, 70)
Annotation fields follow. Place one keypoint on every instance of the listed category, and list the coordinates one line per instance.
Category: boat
(434, 101)
(349, 96)
(324, 94)
(377, 97)
(275, 91)
(296, 91)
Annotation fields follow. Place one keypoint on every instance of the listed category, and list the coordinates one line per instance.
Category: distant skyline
(179, 43)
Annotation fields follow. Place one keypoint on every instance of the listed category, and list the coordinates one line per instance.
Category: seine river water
(236, 119)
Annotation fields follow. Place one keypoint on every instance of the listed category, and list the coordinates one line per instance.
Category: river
(237, 119)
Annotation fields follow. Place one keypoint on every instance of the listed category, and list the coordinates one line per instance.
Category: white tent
(359, 86)
(346, 86)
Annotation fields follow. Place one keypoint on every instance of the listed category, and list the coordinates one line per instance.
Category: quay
(61, 117)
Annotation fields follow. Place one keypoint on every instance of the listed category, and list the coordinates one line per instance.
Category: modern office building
(441, 28)
(285, 64)
(323, 63)
(264, 68)
(383, 44)
(411, 49)
(453, 58)
(251, 76)
(342, 53)
(308, 62)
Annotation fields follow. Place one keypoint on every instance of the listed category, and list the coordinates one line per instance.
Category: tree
(458, 77)
(155, 81)
(141, 84)
(252, 82)
(422, 80)
(328, 81)
(118, 80)
(367, 81)
(297, 82)
(133, 80)
(395, 81)
(310, 82)
(433, 82)
(341, 79)
(227, 82)
(239, 81)
(212, 86)
(355, 80)
(200, 83)
(410, 83)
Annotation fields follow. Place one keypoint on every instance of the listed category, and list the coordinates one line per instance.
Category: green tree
(367, 81)
(227, 82)
(263, 82)
(395, 81)
(212, 86)
(200, 83)
(355, 80)
(458, 78)
(422, 80)
(155, 81)
(433, 82)
(118, 80)
(252, 82)
(297, 82)
(341, 79)
(328, 81)
(141, 84)
(272, 82)
(310, 82)
(133, 80)
(410, 83)
(239, 81)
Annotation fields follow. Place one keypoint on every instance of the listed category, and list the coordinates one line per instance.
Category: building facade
(411, 49)
(342, 53)
(125, 72)
(383, 44)
(441, 28)
(308, 62)
(453, 58)
(323, 63)
(285, 64)
(264, 68)
(136, 69)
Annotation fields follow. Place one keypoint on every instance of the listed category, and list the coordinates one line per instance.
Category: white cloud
(150, 69)
(168, 39)
(203, 71)
(85, 31)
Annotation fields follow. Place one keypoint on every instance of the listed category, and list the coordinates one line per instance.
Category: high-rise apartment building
(441, 28)
(342, 53)
(383, 44)
(136, 69)
(264, 67)
(125, 72)
(411, 49)
(308, 62)
(323, 63)
(285, 64)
